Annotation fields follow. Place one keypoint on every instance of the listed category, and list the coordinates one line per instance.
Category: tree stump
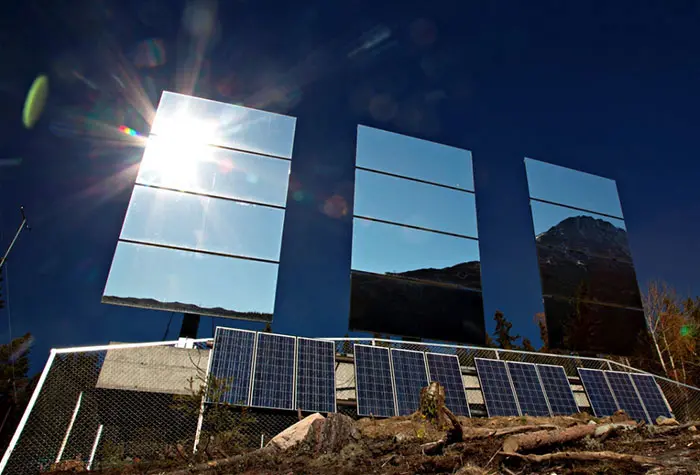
(433, 409)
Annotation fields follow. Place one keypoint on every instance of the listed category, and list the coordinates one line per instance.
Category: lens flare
(128, 131)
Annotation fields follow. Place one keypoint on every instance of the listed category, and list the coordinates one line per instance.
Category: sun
(171, 160)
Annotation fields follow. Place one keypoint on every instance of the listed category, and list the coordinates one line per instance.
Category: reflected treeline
(180, 307)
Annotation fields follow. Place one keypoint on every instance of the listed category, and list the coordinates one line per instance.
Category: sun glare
(172, 158)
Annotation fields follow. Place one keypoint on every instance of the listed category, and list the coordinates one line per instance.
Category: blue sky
(607, 88)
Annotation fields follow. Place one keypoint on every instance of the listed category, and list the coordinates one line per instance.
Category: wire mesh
(148, 399)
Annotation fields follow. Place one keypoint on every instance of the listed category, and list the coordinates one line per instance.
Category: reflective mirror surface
(573, 188)
(387, 249)
(188, 282)
(570, 273)
(409, 308)
(414, 158)
(566, 228)
(202, 223)
(189, 119)
(418, 204)
(593, 328)
(214, 171)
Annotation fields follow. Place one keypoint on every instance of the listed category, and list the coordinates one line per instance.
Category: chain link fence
(122, 404)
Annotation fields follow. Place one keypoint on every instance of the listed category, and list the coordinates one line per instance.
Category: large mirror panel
(417, 204)
(189, 282)
(414, 158)
(189, 119)
(396, 306)
(572, 188)
(214, 171)
(202, 223)
(593, 328)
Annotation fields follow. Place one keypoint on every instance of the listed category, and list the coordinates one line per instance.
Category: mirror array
(591, 295)
(637, 394)
(203, 230)
(273, 371)
(415, 251)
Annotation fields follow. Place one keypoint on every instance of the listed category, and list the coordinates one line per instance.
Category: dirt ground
(396, 446)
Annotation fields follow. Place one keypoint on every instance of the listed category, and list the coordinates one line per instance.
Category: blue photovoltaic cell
(445, 370)
(315, 375)
(651, 395)
(557, 389)
(599, 394)
(495, 384)
(626, 395)
(409, 377)
(375, 391)
(231, 363)
(273, 378)
(528, 389)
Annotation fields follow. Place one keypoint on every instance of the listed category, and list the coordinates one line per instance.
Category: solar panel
(497, 388)
(598, 391)
(626, 395)
(410, 376)
(557, 389)
(373, 382)
(652, 397)
(445, 370)
(231, 364)
(315, 382)
(273, 375)
(528, 389)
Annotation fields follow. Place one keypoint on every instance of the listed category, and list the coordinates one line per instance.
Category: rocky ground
(410, 445)
(433, 440)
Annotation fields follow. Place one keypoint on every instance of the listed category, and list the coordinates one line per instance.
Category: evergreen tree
(268, 328)
(502, 333)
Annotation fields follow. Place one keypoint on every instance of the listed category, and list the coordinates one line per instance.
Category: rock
(296, 433)
(402, 437)
(619, 416)
(332, 434)
(692, 429)
(666, 421)
(470, 470)
(592, 423)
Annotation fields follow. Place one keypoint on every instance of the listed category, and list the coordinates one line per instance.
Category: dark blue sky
(610, 88)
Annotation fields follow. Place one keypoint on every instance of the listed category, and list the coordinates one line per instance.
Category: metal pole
(27, 411)
(70, 427)
(19, 230)
(94, 446)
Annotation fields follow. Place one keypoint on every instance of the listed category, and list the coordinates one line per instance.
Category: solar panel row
(512, 388)
(390, 382)
(272, 371)
(283, 372)
(637, 394)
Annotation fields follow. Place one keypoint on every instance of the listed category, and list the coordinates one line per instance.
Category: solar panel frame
(211, 371)
(449, 391)
(482, 378)
(357, 381)
(298, 366)
(590, 395)
(651, 398)
(558, 399)
(526, 396)
(255, 367)
(394, 351)
(627, 397)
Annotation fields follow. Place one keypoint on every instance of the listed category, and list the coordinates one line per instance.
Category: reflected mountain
(180, 307)
(591, 295)
(589, 259)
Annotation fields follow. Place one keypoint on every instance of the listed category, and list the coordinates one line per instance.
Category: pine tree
(527, 345)
(502, 333)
